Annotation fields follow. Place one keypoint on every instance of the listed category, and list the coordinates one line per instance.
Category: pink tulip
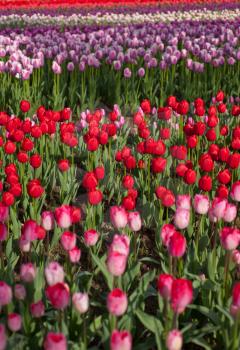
(20, 292)
(181, 295)
(24, 244)
(80, 302)
(121, 340)
(74, 255)
(118, 216)
(211, 216)
(27, 272)
(91, 237)
(183, 201)
(134, 221)
(230, 238)
(177, 245)
(166, 232)
(55, 341)
(235, 191)
(117, 302)
(201, 204)
(14, 322)
(120, 244)
(116, 263)
(47, 220)
(3, 232)
(58, 294)
(3, 337)
(236, 256)
(235, 307)
(37, 309)
(181, 218)
(54, 273)
(30, 230)
(218, 207)
(68, 240)
(4, 212)
(5, 294)
(174, 340)
(63, 216)
(164, 285)
(230, 212)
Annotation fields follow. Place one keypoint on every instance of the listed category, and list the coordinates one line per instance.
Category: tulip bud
(80, 302)
(121, 340)
(134, 221)
(54, 273)
(117, 302)
(27, 272)
(55, 341)
(14, 322)
(91, 237)
(37, 309)
(174, 340)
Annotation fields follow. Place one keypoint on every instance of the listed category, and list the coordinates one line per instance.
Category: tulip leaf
(102, 266)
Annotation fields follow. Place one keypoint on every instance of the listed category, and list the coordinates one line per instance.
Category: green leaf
(152, 324)
(213, 316)
(102, 266)
(130, 275)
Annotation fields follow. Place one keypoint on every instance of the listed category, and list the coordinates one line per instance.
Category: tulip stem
(170, 265)
(175, 321)
(226, 272)
(85, 332)
(235, 333)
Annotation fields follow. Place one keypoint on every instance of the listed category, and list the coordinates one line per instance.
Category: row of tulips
(77, 66)
(121, 233)
(65, 3)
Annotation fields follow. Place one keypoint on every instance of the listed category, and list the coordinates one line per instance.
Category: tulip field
(120, 175)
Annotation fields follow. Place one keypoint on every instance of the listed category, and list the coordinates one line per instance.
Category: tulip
(164, 285)
(177, 245)
(117, 302)
(91, 237)
(118, 216)
(55, 341)
(37, 309)
(81, 302)
(174, 340)
(230, 238)
(219, 207)
(181, 295)
(134, 221)
(3, 232)
(47, 220)
(68, 240)
(74, 255)
(181, 218)
(120, 340)
(235, 191)
(54, 273)
(166, 232)
(230, 212)
(4, 212)
(27, 272)
(58, 294)
(201, 204)
(5, 294)
(20, 292)
(30, 230)
(236, 256)
(183, 202)
(14, 322)
(63, 216)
